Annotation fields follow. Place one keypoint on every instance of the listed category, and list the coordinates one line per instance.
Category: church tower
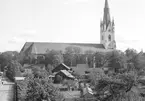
(107, 37)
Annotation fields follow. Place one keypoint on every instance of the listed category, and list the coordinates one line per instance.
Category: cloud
(81, 1)
(75, 1)
(28, 33)
(135, 44)
(16, 40)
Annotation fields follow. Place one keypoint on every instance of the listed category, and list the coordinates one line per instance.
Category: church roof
(43, 47)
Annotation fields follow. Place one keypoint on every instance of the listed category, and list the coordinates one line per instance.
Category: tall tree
(13, 70)
(136, 59)
(72, 55)
(89, 57)
(53, 57)
(100, 59)
(117, 61)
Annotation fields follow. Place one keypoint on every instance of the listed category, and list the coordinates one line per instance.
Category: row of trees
(117, 60)
(71, 57)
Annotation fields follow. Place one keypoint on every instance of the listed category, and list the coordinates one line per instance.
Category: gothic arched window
(109, 37)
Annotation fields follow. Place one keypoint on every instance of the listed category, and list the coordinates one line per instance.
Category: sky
(69, 21)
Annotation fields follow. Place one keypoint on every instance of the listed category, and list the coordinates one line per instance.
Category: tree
(136, 59)
(39, 73)
(42, 89)
(89, 57)
(13, 70)
(37, 87)
(100, 59)
(117, 61)
(5, 58)
(53, 58)
(117, 88)
(131, 54)
(95, 76)
(72, 55)
(49, 68)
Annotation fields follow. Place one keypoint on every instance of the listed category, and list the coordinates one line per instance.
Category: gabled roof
(65, 66)
(67, 74)
(43, 47)
(61, 66)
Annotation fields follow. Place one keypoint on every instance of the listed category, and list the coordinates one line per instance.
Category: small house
(61, 66)
(63, 74)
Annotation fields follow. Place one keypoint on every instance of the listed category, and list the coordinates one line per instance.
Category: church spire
(106, 18)
(106, 4)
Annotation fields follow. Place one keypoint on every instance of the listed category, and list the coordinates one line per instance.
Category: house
(61, 66)
(65, 74)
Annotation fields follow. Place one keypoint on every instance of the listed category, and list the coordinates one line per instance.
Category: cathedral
(107, 37)
(107, 40)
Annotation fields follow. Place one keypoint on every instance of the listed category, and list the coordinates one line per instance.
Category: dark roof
(66, 73)
(42, 47)
(80, 69)
(61, 66)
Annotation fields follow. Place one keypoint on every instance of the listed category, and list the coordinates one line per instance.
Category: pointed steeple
(106, 18)
(106, 4)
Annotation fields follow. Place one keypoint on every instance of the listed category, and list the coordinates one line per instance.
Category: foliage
(58, 79)
(100, 59)
(39, 73)
(72, 55)
(13, 70)
(118, 87)
(136, 59)
(70, 83)
(95, 76)
(22, 89)
(117, 61)
(35, 89)
(49, 68)
(76, 75)
(53, 58)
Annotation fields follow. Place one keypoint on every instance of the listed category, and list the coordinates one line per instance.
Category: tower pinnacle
(107, 36)
(106, 4)
(106, 18)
